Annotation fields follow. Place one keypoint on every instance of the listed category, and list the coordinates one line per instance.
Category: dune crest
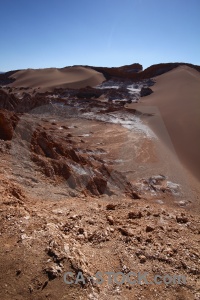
(51, 78)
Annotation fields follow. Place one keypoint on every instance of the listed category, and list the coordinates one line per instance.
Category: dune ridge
(51, 78)
(177, 98)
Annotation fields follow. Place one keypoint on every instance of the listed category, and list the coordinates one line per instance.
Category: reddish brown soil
(49, 227)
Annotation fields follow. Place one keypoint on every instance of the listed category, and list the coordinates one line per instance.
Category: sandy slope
(176, 100)
(49, 79)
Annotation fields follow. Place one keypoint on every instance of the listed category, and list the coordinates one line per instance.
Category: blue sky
(59, 33)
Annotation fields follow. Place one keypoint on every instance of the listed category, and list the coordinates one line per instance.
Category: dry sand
(176, 100)
(49, 79)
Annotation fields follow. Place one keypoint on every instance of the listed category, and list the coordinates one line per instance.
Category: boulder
(145, 91)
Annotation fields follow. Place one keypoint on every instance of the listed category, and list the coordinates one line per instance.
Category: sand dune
(49, 79)
(176, 99)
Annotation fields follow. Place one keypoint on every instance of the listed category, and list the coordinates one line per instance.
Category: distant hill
(50, 78)
(136, 73)
(132, 72)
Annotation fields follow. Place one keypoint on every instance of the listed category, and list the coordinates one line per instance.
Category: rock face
(63, 157)
(136, 73)
(57, 157)
(124, 71)
(25, 103)
(8, 101)
(8, 122)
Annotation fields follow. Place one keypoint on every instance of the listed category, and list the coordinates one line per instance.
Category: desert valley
(100, 171)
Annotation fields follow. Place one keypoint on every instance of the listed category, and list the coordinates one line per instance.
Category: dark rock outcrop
(24, 104)
(123, 72)
(8, 101)
(8, 122)
(152, 71)
(5, 77)
(145, 91)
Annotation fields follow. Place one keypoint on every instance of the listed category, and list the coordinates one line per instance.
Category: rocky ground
(79, 194)
(43, 239)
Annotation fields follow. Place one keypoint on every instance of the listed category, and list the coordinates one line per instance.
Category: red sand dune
(177, 98)
(49, 79)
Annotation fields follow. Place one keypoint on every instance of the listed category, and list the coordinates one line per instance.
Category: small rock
(74, 217)
(182, 219)
(110, 220)
(126, 231)
(80, 230)
(149, 228)
(134, 215)
(169, 251)
(81, 237)
(111, 206)
(30, 288)
(91, 221)
(135, 195)
(18, 272)
(157, 180)
(53, 271)
(159, 201)
(72, 194)
(142, 259)
(182, 203)
(156, 215)
(66, 248)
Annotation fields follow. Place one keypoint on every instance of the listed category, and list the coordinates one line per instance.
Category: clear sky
(59, 33)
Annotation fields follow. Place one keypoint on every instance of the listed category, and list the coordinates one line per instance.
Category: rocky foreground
(64, 207)
(41, 240)
(78, 194)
